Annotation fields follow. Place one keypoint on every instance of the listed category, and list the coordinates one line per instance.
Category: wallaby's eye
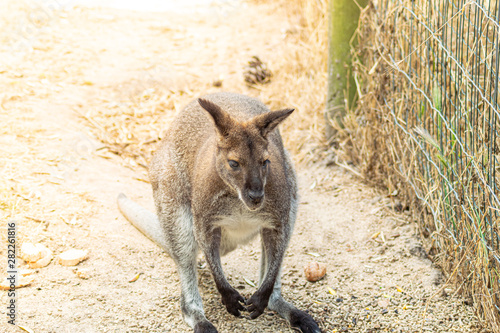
(233, 164)
(265, 163)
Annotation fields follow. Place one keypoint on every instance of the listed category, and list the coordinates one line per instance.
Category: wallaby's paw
(205, 327)
(257, 304)
(233, 302)
(304, 322)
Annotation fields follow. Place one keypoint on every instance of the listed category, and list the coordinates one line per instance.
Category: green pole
(341, 94)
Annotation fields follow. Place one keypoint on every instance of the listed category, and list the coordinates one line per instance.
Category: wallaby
(221, 177)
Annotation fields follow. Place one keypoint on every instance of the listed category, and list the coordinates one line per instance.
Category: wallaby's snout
(255, 195)
(255, 189)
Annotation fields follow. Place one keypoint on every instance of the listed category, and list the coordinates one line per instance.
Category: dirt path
(60, 186)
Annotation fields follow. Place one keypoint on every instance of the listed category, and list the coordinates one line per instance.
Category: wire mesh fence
(428, 124)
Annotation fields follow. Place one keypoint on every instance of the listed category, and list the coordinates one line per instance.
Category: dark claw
(255, 314)
(304, 322)
(257, 304)
(233, 302)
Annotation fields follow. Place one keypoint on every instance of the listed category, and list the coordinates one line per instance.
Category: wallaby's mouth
(253, 200)
(253, 207)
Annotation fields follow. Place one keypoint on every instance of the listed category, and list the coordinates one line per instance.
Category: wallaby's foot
(205, 327)
(304, 322)
(257, 304)
(233, 302)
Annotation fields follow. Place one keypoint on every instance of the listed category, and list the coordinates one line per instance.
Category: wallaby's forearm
(275, 243)
(230, 297)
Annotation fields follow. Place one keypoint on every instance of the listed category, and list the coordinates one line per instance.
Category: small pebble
(314, 271)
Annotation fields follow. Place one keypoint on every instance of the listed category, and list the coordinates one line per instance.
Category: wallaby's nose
(256, 196)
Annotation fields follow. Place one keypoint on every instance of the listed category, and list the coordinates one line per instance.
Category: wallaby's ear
(223, 121)
(268, 121)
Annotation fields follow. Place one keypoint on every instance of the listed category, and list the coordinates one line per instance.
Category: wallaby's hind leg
(182, 247)
(294, 316)
(191, 304)
(297, 318)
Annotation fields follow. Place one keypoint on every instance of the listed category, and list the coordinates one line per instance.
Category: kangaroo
(221, 177)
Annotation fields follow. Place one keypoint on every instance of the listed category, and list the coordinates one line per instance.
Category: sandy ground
(60, 186)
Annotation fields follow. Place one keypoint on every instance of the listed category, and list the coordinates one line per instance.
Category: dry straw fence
(428, 125)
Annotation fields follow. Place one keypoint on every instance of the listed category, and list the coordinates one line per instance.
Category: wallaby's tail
(144, 220)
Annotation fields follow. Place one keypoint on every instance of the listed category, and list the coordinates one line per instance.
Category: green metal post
(343, 22)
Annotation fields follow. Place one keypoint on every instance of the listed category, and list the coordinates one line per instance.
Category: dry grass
(301, 78)
(424, 130)
(132, 126)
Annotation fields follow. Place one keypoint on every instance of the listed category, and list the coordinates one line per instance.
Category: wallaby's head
(242, 159)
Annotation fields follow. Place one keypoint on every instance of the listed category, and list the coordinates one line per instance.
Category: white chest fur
(241, 227)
